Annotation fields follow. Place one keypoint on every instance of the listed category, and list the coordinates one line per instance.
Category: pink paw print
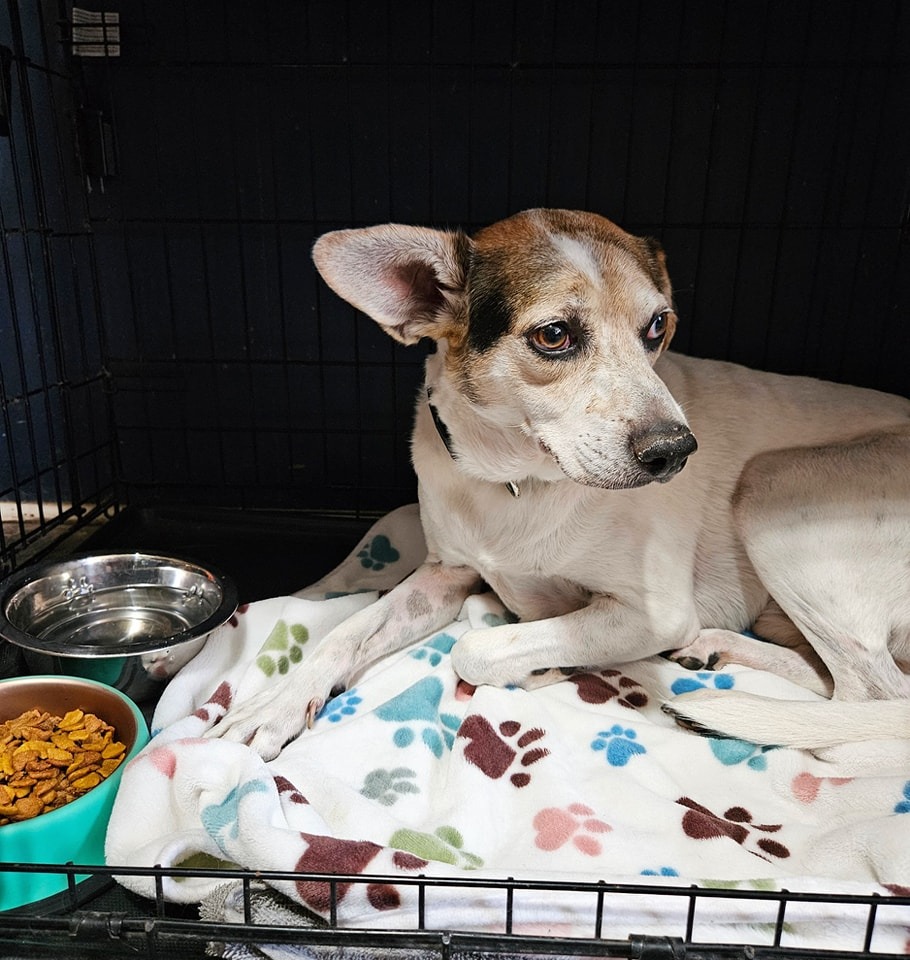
(806, 787)
(464, 690)
(556, 826)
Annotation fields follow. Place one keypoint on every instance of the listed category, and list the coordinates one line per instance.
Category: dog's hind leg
(715, 649)
(827, 529)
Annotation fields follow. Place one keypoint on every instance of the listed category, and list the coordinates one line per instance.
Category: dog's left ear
(410, 280)
(655, 259)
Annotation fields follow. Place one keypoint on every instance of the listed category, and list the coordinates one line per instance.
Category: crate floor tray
(267, 553)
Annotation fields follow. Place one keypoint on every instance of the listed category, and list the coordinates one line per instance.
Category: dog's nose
(662, 450)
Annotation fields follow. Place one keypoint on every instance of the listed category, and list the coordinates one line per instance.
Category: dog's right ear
(410, 280)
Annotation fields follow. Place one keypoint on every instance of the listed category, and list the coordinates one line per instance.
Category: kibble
(47, 761)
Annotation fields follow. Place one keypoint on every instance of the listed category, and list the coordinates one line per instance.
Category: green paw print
(444, 844)
(283, 646)
(498, 620)
(757, 884)
(378, 553)
(387, 786)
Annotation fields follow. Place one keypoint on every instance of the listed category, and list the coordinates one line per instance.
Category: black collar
(446, 438)
(441, 428)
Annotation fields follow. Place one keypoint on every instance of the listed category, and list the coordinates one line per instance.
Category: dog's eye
(657, 329)
(552, 338)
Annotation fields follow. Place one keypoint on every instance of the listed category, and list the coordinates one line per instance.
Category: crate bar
(592, 886)
(87, 927)
(779, 924)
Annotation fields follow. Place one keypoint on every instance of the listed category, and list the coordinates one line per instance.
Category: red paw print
(610, 685)
(494, 752)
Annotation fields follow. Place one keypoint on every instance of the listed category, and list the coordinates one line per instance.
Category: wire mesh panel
(56, 453)
(165, 166)
(766, 144)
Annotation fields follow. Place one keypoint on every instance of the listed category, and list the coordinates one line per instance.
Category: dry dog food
(47, 761)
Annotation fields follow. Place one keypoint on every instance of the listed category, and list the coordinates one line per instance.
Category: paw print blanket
(410, 771)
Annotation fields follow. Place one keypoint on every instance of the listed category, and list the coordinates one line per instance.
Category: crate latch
(642, 947)
(96, 925)
(95, 33)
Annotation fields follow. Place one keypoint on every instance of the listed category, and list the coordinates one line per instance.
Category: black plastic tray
(266, 553)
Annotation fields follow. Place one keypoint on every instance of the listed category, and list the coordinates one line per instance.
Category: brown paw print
(234, 619)
(220, 700)
(285, 787)
(700, 823)
(331, 855)
(610, 685)
(493, 751)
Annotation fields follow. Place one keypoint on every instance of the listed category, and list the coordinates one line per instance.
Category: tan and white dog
(549, 444)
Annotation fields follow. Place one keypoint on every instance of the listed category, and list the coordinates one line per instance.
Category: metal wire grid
(168, 330)
(160, 928)
(164, 335)
(56, 454)
(760, 146)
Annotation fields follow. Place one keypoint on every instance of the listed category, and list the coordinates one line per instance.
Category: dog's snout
(662, 450)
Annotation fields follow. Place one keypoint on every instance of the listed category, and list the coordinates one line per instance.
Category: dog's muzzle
(662, 450)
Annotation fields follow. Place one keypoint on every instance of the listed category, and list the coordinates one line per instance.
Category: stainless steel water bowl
(151, 611)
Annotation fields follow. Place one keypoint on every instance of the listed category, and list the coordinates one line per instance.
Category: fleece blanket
(410, 771)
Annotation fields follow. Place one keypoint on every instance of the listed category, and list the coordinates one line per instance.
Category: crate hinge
(642, 947)
(96, 925)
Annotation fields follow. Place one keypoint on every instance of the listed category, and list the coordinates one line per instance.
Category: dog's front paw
(480, 656)
(269, 720)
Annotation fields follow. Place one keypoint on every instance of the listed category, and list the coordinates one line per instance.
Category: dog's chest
(543, 553)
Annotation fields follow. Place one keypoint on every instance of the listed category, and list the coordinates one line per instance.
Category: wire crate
(171, 367)
(163, 930)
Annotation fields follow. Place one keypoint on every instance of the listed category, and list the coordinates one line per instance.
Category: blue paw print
(662, 872)
(224, 817)
(419, 706)
(433, 650)
(730, 752)
(378, 553)
(435, 740)
(619, 744)
(720, 681)
(344, 705)
(903, 806)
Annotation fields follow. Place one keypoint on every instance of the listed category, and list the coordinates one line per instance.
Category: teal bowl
(75, 832)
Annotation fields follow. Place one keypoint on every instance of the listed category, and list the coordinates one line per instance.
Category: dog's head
(549, 324)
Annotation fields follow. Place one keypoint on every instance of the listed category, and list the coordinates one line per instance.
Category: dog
(622, 500)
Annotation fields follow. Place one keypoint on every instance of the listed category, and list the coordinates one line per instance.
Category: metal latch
(96, 33)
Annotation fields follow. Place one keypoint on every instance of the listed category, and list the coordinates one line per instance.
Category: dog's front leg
(604, 633)
(428, 599)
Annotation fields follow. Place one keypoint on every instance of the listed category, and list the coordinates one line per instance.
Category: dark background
(164, 338)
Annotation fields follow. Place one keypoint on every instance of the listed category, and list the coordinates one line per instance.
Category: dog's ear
(655, 259)
(410, 280)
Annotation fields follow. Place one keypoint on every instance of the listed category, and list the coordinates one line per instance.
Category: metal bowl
(129, 620)
(73, 833)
